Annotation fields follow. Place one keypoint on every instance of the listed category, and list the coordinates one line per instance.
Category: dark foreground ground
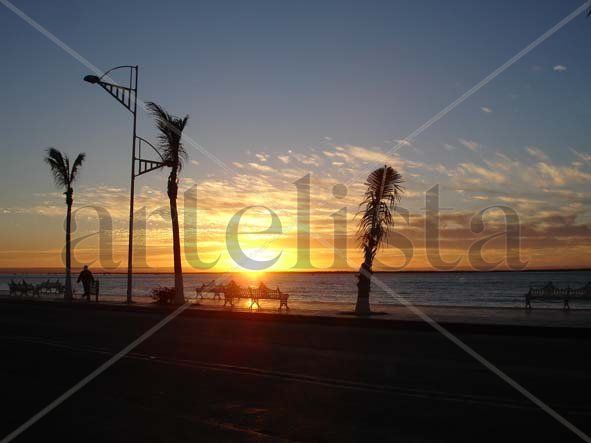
(242, 379)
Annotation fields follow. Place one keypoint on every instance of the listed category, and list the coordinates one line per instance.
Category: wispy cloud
(581, 155)
(481, 172)
(536, 153)
(540, 189)
(283, 159)
(470, 144)
(559, 68)
(262, 168)
(486, 109)
(563, 175)
(308, 160)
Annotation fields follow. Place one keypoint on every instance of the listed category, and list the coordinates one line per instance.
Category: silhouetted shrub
(163, 295)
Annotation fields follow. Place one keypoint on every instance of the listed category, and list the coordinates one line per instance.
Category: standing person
(87, 280)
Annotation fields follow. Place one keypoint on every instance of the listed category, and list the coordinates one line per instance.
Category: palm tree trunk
(68, 292)
(176, 239)
(364, 287)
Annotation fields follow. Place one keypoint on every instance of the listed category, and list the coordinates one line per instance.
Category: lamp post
(124, 94)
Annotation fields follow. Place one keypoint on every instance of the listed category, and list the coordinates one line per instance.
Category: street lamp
(127, 96)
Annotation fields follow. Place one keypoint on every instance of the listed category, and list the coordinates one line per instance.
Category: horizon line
(5, 271)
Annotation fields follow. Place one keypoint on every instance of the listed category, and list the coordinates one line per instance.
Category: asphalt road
(241, 379)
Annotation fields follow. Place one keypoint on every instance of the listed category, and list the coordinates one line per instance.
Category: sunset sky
(278, 90)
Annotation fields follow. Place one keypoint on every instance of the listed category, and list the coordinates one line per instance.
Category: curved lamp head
(93, 79)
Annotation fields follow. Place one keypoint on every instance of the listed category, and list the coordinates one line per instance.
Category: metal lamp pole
(124, 94)
(132, 194)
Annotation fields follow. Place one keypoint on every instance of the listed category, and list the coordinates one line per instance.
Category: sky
(278, 90)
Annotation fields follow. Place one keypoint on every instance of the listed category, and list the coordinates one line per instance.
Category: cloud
(533, 185)
(368, 155)
(262, 168)
(537, 179)
(195, 162)
(262, 157)
(470, 144)
(403, 142)
(308, 160)
(486, 110)
(536, 153)
(479, 172)
(559, 68)
(581, 155)
(562, 175)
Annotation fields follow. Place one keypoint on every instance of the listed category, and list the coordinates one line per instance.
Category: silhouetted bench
(22, 288)
(550, 293)
(232, 293)
(50, 288)
(95, 287)
(264, 293)
(255, 295)
(210, 288)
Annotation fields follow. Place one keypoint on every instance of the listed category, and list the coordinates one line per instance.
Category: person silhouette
(87, 280)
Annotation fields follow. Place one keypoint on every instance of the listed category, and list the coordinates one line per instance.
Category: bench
(216, 290)
(21, 289)
(550, 293)
(264, 293)
(50, 288)
(95, 287)
(233, 291)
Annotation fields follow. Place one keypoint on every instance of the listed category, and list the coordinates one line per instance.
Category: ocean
(478, 289)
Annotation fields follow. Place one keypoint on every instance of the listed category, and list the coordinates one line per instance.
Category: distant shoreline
(102, 272)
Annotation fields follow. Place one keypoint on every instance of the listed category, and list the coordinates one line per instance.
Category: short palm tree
(384, 186)
(64, 176)
(172, 151)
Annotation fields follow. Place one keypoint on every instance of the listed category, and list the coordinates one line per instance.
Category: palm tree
(383, 191)
(173, 153)
(64, 177)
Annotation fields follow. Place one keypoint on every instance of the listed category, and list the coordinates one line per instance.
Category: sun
(253, 276)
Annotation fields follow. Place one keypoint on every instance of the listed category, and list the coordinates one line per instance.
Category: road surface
(242, 379)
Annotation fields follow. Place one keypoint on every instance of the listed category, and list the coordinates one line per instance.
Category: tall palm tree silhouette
(383, 191)
(174, 154)
(64, 176)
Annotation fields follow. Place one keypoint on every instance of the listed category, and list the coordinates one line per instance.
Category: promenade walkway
(538, 317)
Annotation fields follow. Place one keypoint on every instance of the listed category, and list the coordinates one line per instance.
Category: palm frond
(76, 166)
(171, 131)
(57, 164)
(384, 187)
